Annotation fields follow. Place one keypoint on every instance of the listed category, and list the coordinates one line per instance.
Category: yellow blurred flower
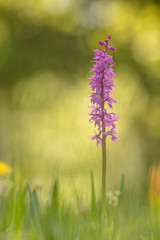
(4, 168)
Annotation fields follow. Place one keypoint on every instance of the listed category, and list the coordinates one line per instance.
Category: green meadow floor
(24, 216)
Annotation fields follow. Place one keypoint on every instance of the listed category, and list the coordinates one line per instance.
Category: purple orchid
(102, 97)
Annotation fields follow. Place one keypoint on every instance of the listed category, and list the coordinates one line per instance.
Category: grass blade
(34, 213)
(93, 203)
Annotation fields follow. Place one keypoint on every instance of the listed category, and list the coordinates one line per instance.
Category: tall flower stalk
(102, 99)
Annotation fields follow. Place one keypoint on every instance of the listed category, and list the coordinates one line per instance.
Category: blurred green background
(45, 52)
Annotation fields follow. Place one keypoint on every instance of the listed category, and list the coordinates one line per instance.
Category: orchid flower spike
(101, 96)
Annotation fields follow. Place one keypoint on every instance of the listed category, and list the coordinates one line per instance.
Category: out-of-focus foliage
(45, 52)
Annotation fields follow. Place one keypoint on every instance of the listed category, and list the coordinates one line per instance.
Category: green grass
(24, 216)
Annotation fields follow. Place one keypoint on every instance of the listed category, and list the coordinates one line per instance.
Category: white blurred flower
(5, 185)
(113, 197)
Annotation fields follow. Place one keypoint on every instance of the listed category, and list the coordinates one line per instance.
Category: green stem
(103, 156)
(104, 176)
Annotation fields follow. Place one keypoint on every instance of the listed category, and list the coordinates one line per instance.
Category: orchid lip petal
(101, 43)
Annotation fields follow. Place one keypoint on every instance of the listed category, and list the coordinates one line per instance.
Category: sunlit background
(45, 52)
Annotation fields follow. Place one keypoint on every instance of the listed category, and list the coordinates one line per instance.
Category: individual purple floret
(102, 97)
